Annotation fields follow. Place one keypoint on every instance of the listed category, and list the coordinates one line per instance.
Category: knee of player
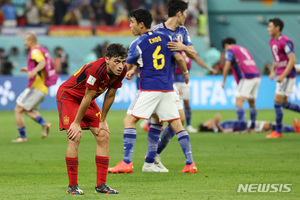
(18, 109)
(103, 136)
(129, 121)
(76, 140)
(182, 119)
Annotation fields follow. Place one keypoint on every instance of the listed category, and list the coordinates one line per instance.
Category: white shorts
(147, 103)
(178, 99)
(184, 90)
(285, 88)
(31, 99)
(248, 88)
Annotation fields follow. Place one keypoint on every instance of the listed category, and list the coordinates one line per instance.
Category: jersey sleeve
(37, 55)
(186, 38)
(229, 56)
(134, 53)
(93, 76)
(288, 48)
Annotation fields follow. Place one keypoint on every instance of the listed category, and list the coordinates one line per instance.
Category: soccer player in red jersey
(78, 110)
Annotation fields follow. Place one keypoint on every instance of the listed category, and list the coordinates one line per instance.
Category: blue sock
(22, 132)
(292, 106)
(166, 136)
(288, 129)
(40, 120)
(240, 111)
(188, 115)
(128, 143)
(184, 141)
(279, 116)
(152, 142)
(253, 114)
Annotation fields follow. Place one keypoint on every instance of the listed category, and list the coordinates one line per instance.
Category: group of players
(156, 52)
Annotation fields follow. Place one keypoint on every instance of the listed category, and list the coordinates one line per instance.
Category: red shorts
(67, 111)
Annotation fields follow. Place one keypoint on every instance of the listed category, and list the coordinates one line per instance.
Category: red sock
(72, 167)
(102, 166)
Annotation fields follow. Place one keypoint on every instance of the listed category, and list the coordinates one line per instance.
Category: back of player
(243, 64)
(154, 61)
(180, 33)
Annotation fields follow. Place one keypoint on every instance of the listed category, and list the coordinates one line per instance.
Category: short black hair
(203, 128)
(142, 15)
(116, 50)
(228, 40)
(176, 5)
(277, 22)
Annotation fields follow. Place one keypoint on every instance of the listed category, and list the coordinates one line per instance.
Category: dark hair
(228, 40)
(277, 22)
(116, 50)
(142, 15)
(176, 5)
(203, 128)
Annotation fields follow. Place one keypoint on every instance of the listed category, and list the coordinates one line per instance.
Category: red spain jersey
(92, 75)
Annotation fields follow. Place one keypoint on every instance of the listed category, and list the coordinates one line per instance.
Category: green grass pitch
(36, 169)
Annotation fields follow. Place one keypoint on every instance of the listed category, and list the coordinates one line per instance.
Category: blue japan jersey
(151, 54)
(180, 33)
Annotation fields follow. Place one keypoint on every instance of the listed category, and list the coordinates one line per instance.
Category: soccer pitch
(37, 170)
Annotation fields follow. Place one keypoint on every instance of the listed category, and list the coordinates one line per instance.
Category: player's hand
(73, 131)
(279, 78)
(23, 69)
(223, 85)
(176, 46)
(187, 78)
(213, 71)
(130, 74)
(271, 75)
(31, 74)
(103, 126)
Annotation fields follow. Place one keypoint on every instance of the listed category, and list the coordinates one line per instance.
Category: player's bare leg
(36, 116)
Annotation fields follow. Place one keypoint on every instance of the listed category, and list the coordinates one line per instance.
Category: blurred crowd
(84, 12)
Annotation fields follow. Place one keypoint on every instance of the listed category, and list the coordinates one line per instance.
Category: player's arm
(131, 71)
(200, 62)
(220, 128)
(272, 71)
(38, 57)
(179, 46)
(225, 72)
(229, 57)
(289, 67)
(41, 65)
(75, 128)
(182, 65)
(108, 101)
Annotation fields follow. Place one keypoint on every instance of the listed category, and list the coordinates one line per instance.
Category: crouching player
(78, 110)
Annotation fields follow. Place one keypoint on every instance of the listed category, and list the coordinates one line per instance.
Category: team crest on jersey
(179, 37)
(66, 120)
